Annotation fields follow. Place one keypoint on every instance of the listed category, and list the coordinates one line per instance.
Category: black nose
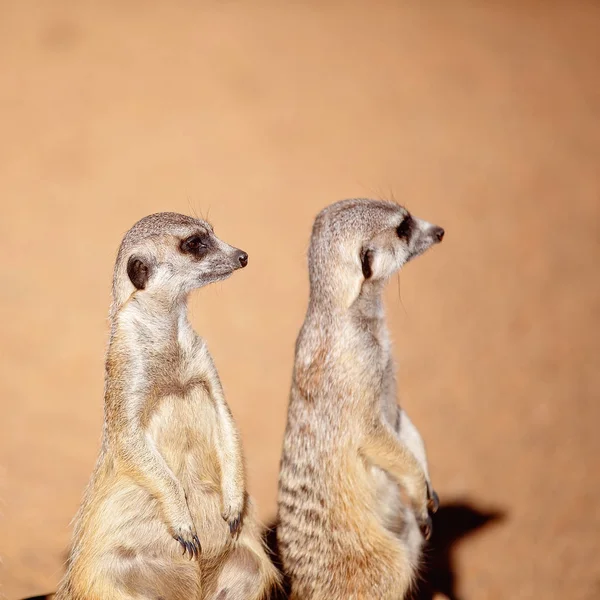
(243, 258)
(438, 233)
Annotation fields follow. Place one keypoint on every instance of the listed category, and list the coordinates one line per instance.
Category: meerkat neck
(143, 332)
(325, 313)
(341, 294)
(369, 303)
(150, 321)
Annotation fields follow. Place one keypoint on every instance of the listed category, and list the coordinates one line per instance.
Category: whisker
(191, 207)
(400, 294)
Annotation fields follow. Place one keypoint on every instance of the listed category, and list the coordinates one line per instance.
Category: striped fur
(354, 488)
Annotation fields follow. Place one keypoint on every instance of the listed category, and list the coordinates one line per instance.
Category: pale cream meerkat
(166, 514)
(354, 492)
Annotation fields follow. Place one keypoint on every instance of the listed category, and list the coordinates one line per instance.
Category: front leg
(229, 452)
(382, 446)
(146, 465)
(409, 435)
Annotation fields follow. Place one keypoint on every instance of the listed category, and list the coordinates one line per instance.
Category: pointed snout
(424, 236)
(242, 258)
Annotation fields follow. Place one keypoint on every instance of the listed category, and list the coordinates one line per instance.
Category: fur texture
(354, 492)
(166, 514)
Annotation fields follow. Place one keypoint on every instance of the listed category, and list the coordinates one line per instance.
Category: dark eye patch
(405, 228)
(196, 244)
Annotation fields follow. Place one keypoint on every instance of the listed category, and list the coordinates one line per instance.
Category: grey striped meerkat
(166, 515)
(354, 491)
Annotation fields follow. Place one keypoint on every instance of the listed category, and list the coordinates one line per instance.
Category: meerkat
(166, 515)
(354, 492)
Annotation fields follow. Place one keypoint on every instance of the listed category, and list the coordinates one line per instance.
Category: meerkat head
(358, 243)
(169, 255)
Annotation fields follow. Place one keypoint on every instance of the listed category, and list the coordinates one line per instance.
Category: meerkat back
(166, 514)
(354, 492)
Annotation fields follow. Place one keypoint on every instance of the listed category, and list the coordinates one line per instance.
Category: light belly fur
(184, 430)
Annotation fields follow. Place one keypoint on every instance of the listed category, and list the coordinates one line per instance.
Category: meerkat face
(169, 255)
(360, 241)
(401, 238)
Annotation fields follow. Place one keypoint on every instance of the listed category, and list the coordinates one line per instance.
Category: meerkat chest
(183, 428)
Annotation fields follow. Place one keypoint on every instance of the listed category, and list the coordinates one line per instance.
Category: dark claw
(426, 527)
(180, 540)
(434, 501)
(234, 526)
(198, 545)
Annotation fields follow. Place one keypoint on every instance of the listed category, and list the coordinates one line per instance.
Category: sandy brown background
(484, 120)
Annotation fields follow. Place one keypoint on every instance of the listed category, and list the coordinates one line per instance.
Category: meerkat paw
(433, 500)
(233, 515)
(426, 526)
(186, 536)
(423, 500)
(234, 519)
(423, 515)
(433, 503)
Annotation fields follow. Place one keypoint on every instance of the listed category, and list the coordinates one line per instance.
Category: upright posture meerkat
(166, 515)
(354, 489)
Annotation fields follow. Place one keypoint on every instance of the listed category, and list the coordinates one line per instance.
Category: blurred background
(481, 117)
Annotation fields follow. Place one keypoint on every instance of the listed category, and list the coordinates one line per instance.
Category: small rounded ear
(138, 271)
(366, 259)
